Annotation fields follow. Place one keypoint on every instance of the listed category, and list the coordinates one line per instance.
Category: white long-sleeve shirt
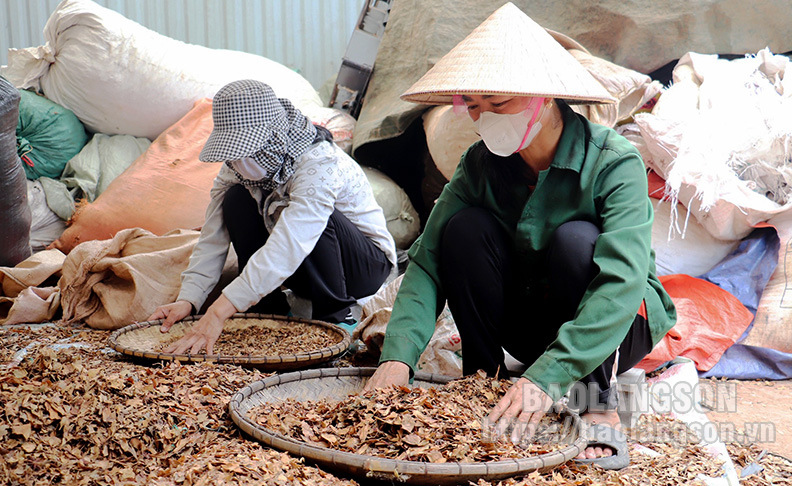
(295, 214)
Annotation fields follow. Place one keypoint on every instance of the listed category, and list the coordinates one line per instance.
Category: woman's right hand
(172, 313)
(388, 374)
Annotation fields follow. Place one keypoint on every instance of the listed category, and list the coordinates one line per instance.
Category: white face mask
(505, 134)
(249, 169)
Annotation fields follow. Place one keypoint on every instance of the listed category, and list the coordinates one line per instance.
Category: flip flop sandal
(606, 436)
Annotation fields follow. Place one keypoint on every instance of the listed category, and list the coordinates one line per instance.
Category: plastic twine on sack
(24, 148)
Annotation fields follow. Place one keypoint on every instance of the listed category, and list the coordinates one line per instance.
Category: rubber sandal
(607, 436)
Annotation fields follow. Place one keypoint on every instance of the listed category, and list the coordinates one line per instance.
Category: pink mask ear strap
(459, 105)
(533, 119)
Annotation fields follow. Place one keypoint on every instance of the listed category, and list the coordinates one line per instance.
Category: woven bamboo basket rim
(130, 340)
(411, 472)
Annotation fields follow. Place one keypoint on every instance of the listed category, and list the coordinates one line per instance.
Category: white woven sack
(45, 225)
(119, 77)
(721, 137)
(400, 215)
(340, 123)
(448, 135)
(664, 128)
(693, 252)
(443, 354)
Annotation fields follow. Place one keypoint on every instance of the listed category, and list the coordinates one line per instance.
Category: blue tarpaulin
(744, 273)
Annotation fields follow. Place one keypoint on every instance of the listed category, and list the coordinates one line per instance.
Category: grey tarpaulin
(642, 35)
(14, 209)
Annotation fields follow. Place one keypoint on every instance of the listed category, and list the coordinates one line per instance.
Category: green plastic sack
(48, 135)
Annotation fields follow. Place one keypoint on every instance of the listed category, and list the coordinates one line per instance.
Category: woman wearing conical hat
(540, 243)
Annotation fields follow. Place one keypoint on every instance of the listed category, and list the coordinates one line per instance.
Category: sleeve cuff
(193, 296)
(550, 376)
(398, 348)
(241, 295)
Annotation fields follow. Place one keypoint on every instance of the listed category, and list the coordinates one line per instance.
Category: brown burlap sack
(164, 189)
(771, 326)
(21, 301)
(111, 283)
(32, 305)
(31, 272)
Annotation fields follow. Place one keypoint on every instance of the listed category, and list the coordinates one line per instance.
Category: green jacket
(596, 176)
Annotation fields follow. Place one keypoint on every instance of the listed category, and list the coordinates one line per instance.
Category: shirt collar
(571, 151)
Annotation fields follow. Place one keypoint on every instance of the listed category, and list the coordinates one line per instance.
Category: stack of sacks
(721, 138)
(119, 77)
(53, 200)
(729, 176)
(61, 167)
(47, 136)
(165, 189)
(123, 80)
(89, 173)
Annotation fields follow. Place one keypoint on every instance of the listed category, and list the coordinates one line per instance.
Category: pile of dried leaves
(767, 468)
(259, 339)
(19, 340)
(81, 415)
(663, 451)
(86, 416)
(430, 425)
(669, 469)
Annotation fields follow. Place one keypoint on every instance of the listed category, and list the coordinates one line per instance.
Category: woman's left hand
(522, 407)
(205, 332)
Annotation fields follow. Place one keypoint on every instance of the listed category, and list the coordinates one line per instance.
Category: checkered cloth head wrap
(250, 121)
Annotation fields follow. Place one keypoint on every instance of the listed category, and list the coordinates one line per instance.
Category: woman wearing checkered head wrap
(298, 211)
(257, 134)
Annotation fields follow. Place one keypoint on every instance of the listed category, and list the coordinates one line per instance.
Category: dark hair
(322, 134)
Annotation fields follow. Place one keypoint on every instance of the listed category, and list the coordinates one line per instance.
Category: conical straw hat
(508, 54)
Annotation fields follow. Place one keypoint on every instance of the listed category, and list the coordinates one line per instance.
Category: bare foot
(610, 418)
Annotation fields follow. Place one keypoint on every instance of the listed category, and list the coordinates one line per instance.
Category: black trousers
(343, 266)
(490, 307)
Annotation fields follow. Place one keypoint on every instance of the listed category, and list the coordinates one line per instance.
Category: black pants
(343, 266)
(491, 311)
